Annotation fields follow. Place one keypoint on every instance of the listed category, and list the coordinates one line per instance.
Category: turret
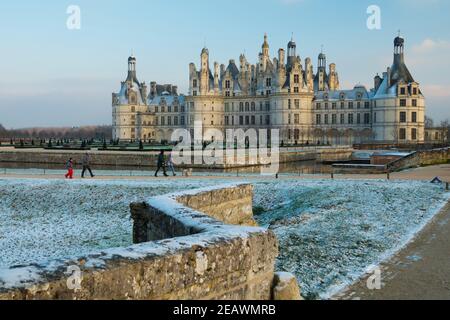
(204, 72)
(265, 47)
(291, 51)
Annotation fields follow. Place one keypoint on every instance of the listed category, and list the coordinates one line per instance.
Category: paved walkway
(424, 174)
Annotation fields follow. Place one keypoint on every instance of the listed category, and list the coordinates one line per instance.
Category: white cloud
(431, 46)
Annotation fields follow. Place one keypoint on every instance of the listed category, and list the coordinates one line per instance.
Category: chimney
(281, 56)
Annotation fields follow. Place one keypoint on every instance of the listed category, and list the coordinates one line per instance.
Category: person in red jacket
(69, 167)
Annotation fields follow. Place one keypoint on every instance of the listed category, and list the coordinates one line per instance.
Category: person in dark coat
(161, 164)
(86, 161)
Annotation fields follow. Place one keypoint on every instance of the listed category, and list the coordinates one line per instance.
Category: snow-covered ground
(329, 231)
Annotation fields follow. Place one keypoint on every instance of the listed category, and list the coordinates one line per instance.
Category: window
(182, 121)
(414, 102)
(402, 102)
(247, 107)
(414, 117)
(241, 107)
(366, 118)
(367, 104)
(289, 118)
(194, 83)
(268, 120)
(175, 121)
(350, 118)
(333, 106)
(268, 82)
(415, 91)
(358, 118)
(253, 106)
(169, 121)
(326, 105)
(350, 105)
(296, 119)
(296, 78)
(342, 119)
(296, 134)
(297, 104)
(375, 117)
(334, 119)
(289, 104)
(194, 93)
(133, 109)
(296, 90)
(342, 105)
(402, 91)
(326, 119)
(253, 120)
(318, 119)
(402, 134)
(241, 120)
(163, 121)
(156, 109)
(358, 105)
(414, 134)
(317, 106)
(247, 120)
(402, 117)
(227, 84)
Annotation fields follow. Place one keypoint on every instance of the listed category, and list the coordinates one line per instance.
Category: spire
(399, 71)
(322, 58)
(265, 46)
(132, 68)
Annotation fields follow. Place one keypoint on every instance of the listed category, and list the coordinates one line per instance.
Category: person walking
(86, 161)
(170, 164)
(69, 167)
(161, 164)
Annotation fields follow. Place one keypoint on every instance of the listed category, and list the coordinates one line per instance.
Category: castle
(281, 93)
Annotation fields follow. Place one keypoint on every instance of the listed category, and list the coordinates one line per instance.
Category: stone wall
(420, 158)
(101, 159)
(191, 255)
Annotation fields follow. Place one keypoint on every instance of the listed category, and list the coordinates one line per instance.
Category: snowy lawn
(47, 219)
(329, 231)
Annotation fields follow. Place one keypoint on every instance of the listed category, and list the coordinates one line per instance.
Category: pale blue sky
(53, 76)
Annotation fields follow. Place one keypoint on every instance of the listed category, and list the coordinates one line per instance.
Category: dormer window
(402, 91)
(227, 84)
(342, 96)
(325, 96)
(296, 78)
(194, 83)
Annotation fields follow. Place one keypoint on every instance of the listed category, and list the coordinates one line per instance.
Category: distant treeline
(87, 132)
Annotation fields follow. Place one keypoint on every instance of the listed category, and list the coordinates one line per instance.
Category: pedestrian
(161, 164)
(69, 167)
(86, 165)
(170, 164)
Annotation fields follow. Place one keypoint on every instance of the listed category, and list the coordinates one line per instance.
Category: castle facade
(284, 93)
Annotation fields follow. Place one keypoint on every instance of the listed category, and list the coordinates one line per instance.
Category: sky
(54, 76)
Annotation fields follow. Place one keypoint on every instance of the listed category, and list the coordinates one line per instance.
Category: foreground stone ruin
(201, 244)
